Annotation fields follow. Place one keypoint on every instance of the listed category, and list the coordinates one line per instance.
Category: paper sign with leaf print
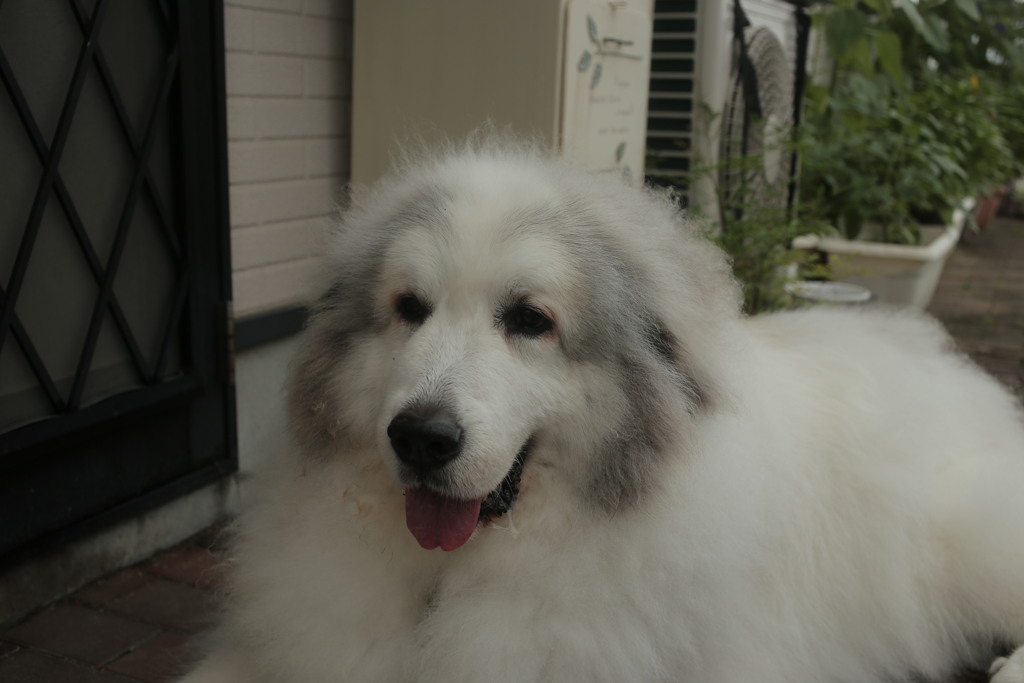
(607, 72)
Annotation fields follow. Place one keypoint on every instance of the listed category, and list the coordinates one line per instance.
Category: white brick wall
(289, 101)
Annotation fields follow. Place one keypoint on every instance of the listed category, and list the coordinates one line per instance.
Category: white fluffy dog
(534, 439)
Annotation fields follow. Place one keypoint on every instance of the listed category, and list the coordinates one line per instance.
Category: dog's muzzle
(425, 439)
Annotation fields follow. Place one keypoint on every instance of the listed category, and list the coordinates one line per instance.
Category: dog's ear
(343, 312)
(670, 353)
(659, 391)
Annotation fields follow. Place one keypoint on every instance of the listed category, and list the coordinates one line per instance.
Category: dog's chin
(436, 518)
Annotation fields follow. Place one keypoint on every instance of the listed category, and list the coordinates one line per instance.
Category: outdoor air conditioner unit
(724, 81)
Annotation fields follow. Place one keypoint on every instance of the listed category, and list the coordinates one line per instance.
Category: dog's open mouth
(436, 520)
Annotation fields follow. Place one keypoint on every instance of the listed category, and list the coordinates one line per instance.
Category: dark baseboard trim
(262, 328)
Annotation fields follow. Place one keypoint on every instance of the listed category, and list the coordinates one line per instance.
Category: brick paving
(980, 299)
(138, 624)
(134, 625)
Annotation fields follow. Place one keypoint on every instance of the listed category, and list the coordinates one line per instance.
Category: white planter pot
(897, 274)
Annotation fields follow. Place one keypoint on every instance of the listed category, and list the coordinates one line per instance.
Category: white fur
(847, 506)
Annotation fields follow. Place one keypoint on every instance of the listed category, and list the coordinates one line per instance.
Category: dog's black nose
(425, 439)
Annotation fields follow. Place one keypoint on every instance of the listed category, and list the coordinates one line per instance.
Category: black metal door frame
(88, 466)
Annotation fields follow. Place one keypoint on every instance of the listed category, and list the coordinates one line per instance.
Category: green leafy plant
(755, 234)
(918, 109)
(876, 160)
(910, 121)
(758, 241)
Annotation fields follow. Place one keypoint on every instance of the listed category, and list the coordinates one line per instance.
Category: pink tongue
(436, 520)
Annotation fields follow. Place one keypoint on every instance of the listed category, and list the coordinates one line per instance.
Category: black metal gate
(115, 392)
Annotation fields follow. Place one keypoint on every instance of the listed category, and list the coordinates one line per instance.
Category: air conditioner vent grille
(670, 102)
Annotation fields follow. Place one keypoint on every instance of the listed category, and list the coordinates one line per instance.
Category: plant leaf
(922, 27)
(843, 30)
(881, 7)
(592, 29)
(940, 29)
(970, 8)
(596, 76)
(861, 56)
(890, 55)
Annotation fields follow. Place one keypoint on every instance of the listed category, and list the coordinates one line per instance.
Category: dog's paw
(1008, 669)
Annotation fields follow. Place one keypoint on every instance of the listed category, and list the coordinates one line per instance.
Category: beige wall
(432, 69)
(289, 98)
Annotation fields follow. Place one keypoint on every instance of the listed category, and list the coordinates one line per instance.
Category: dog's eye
(410, 309)
(525, 320)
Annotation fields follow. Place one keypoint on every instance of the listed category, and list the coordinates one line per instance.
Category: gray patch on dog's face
(615, 330)
(342, 314)
(628, 459)
(628, 462)
(345, 312)
(661, 340)
(612, 327)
